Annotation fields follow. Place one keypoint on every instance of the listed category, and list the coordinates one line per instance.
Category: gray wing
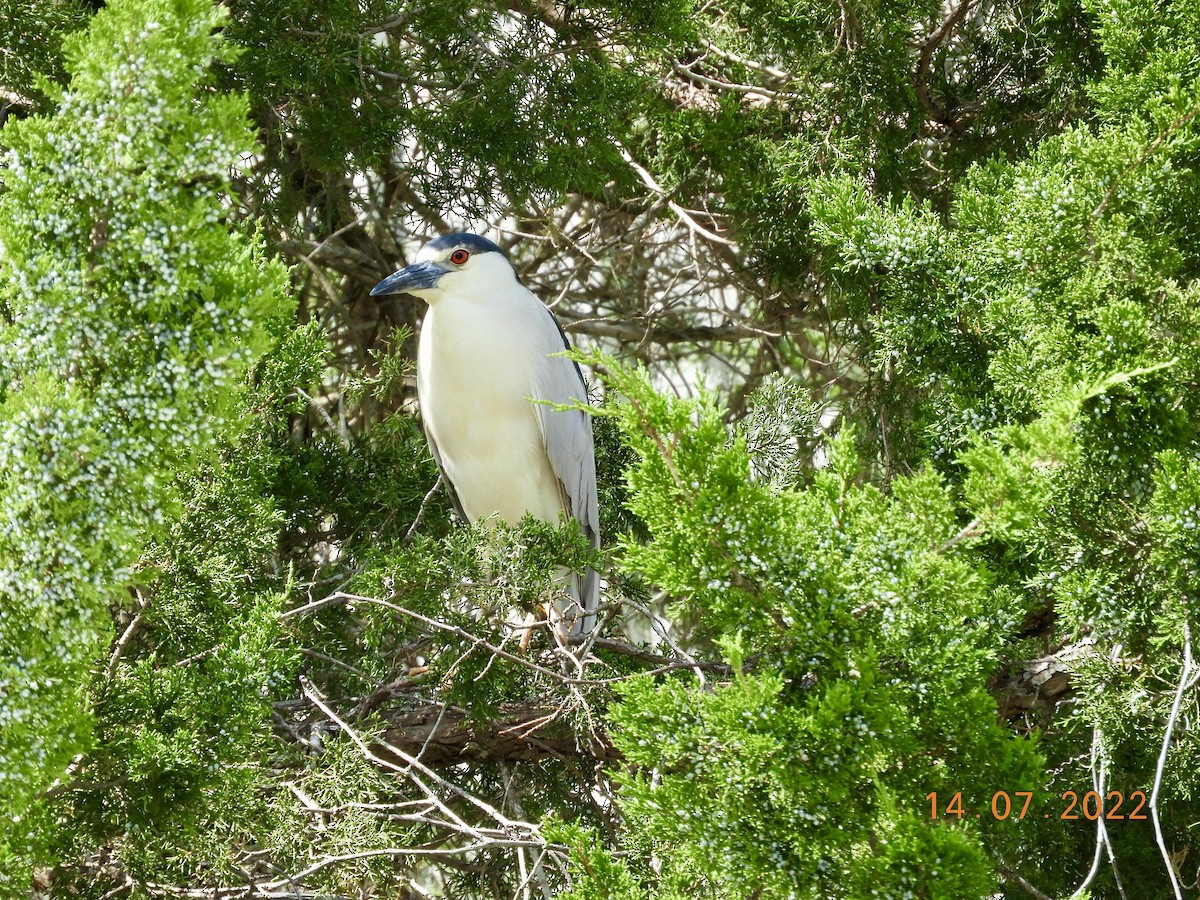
(446, 482)
(568, 438)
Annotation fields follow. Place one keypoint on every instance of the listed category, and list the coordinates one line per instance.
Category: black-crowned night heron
(486, 372)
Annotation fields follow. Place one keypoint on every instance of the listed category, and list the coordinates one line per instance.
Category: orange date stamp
(1015, 805)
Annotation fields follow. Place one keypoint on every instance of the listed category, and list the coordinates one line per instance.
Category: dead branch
(1038, 685)
(925, 59)
(447, 735)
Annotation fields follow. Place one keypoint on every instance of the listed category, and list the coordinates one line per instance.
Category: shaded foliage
(891, 313)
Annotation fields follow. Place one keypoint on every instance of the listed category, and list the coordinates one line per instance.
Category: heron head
(456, 262)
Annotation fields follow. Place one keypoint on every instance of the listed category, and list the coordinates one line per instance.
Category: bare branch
(1185, 676)
(925, 58)
(1011, 875)
(683, 214)
(1037, 685)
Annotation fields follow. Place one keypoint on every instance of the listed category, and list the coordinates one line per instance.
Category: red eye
(459, 256)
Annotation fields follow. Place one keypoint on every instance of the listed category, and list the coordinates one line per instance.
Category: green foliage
(780, 429)
(1046, 327)
(128, 312)
(1146, 47)
(31, 32)
(182, 709)
(862, 99)
(975, 229)
(805, 775)
(506, 110)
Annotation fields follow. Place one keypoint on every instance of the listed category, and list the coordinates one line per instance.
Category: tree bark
(1028, 689)
(445, 735)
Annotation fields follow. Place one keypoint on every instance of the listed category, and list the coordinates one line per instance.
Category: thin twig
(665, 634)
(1146, 154)
(122, 642)
(662, 665)
(1016, 878)
(732, 86)
(1098, 778)
(1184, 677)
(683, 214)
(406, 770)
(969, 530)
(412, 529)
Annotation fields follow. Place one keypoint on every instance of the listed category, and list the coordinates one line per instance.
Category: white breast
(477, 366)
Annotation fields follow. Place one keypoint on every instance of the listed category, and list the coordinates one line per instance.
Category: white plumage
(487, 353)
